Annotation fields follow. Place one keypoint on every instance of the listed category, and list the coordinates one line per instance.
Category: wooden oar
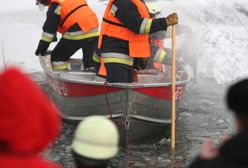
(173, 87)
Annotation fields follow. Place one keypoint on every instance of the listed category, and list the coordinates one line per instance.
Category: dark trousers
(66, 48)
(119, 73)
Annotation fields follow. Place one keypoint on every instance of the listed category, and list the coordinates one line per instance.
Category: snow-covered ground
(214, 34)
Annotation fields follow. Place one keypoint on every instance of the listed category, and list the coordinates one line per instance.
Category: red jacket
(28, 122)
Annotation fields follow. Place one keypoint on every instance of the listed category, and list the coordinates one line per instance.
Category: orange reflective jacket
(160, 44)
(76, 11)
(139, 46)
(102, 70)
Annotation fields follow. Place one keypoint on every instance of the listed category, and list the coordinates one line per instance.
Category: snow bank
(213, 34)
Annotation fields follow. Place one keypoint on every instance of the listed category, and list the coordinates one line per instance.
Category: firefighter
(77, 23)
(95, 142)
(124, 36)
(156, 42)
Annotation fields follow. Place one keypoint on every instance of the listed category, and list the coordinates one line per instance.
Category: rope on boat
(119, 125)
(128, 151)
(124, 124)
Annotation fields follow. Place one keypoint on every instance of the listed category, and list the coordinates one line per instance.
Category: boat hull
(133, 109)
(140, 110)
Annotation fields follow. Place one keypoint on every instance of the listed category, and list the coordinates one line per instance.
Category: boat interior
(76, 72)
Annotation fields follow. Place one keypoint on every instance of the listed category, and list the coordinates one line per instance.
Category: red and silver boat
(143, 107)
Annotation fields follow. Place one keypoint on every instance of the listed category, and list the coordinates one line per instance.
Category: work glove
(171, 19)
(42, 48)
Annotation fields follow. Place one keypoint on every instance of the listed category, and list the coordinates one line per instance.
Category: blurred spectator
(233, 152)
(95, 142)
(28, 122)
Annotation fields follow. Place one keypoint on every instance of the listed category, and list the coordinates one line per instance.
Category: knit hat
(28, 120)
(96, 138)
(237, 97)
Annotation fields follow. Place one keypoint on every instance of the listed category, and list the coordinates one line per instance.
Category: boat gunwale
(57, 76)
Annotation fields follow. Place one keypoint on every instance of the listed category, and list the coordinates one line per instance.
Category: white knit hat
(96, 137)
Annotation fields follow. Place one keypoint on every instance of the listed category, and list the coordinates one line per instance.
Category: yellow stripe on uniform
(47, 37)
(162, 56)
(81, 36)
(60, 66)
(118, 60)
(58, 10)
(148, 26)
(113, 9)
(96, 58)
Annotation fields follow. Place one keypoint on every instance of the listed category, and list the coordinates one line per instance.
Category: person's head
(237, 101)
(153, 9)
(95, 142)
(28, 120)
(43, 2)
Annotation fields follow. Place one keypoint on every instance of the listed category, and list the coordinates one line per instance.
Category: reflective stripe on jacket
(139, 46)
(76, 11)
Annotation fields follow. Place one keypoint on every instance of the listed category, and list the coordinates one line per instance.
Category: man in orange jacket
(124, 36)
(77, 23)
